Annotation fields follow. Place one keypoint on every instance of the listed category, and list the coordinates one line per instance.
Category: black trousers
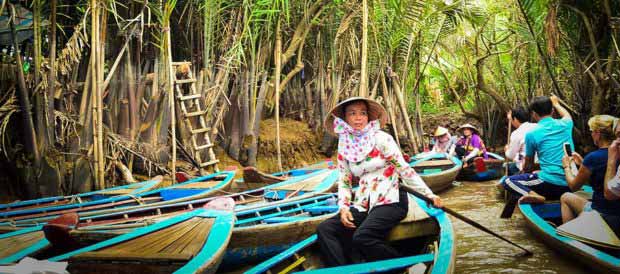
(338, 242)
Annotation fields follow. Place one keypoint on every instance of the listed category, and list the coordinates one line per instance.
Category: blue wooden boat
(253, 176)
(438, 170)
(493, 170)
(131, 189)
(411, 237)
(201, 187)
(193, 242)
(538, 218)
(21, 243)
(251, 209)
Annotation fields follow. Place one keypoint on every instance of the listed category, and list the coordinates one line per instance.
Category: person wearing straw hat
(470, 145)
(371, 157)
(444, 142)
(592, 169)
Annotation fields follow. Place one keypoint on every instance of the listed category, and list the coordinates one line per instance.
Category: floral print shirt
(377, 175)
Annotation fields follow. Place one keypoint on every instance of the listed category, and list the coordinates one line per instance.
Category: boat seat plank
(207, 184)
(304, 185)
(129, 256)
(11, 245)
(435, 163)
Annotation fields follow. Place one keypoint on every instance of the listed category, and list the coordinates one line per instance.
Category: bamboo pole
(278, 60)
(51, 79)
(173, 123)
(363, 91)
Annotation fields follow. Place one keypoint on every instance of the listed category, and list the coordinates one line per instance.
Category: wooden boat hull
(599, 260)
(117, 256)
(494, 170)
(437, 172)
(93, 229)
(173, 194)
(19, 244)
(304, 255)
(131, 189)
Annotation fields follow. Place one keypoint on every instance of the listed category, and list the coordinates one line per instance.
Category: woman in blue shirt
(593, 169)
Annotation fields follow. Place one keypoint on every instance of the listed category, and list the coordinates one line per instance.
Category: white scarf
(354, 144)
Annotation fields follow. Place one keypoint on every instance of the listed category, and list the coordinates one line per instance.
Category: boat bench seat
(131, 256)
(318, 210)
(275, 220)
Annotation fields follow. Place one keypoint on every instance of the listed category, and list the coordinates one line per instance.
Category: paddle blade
(509, 208)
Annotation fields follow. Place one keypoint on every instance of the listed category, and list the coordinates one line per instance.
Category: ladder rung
(200, 130)
(209, 163)
(195, 113)
(185, 81)
(181, 63)
(189, 97)
(203, 147)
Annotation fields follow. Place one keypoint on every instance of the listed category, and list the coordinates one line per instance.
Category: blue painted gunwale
(39, 245)
(154, 192)
(444, 259)
(217, 240)
(531, 213)
(454, 159)
(139, 187)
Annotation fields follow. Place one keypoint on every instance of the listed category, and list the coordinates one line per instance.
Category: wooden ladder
(194, 116)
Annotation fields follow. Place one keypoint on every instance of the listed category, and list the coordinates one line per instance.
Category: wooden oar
(471, 222)
(511, 200)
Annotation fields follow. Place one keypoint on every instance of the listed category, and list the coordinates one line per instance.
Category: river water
(478, 252)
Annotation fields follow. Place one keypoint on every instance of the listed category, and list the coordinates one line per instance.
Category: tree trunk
(51, 80)
(24, 101)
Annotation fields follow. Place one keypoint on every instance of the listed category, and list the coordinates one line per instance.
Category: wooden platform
(179, 242)
(14, 244)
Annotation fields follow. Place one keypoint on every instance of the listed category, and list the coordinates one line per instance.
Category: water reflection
(478, 252)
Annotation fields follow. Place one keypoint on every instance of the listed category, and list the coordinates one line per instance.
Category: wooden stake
(278, 60)
(363, 91)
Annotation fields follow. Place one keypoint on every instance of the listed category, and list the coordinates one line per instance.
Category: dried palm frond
(8, 107)
(552, 33)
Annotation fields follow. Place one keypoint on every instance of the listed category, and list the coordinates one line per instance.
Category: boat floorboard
(178, 242)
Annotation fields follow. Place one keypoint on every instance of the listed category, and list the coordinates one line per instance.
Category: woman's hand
(346, 218)
(566, 161)
(436, 201)
(577, 158)
(613, 153)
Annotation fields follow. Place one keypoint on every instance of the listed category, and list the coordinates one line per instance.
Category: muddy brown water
(478, 252)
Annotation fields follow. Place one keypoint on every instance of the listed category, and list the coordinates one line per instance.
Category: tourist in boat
(611, 188)
(592, 169)
(371, 157)
(444, 142)
(470, 145)
(546, 142)
(519, 118)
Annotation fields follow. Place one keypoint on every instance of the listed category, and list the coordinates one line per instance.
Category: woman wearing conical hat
(371, 157)
(444, 142)
(470, 145)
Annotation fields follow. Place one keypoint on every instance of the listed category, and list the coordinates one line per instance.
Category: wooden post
(363, 91)
(278, 60)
